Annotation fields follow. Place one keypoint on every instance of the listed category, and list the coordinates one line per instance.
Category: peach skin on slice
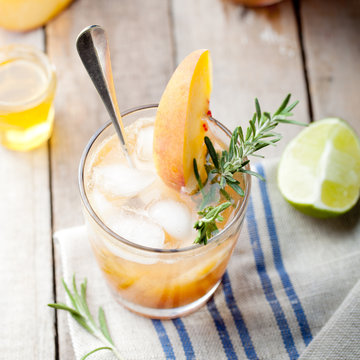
(181, 122)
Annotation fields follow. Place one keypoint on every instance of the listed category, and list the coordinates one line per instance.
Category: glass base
(30, 138)
(165, 314)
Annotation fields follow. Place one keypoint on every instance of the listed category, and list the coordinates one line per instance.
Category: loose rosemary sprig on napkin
(224, 166)
(81, 313)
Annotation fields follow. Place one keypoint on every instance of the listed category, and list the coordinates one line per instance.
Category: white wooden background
(310, 48)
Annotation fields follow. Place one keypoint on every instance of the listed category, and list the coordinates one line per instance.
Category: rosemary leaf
(258, 109)
(82, 322)
(287, 121)
(197, 176)
(68, 292)
(103, 326)
(253, 173)
(212, 152)
(60, 306)
(289, 108)
(237, 188)
(283, 105)
(226, 195)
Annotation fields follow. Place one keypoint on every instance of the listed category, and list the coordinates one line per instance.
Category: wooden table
(311, 49)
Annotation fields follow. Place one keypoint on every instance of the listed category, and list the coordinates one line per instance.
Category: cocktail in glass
(150, 263)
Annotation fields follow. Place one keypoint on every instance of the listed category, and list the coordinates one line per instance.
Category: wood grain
(331, 37)
(27, 325)
(141, 52)
(255, 53)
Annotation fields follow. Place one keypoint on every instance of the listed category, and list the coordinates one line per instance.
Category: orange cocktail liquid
(26, 111)
(148, 213)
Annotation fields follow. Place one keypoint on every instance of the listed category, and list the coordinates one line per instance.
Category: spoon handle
(92, 46)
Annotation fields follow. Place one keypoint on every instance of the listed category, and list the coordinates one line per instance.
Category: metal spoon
(93, 48)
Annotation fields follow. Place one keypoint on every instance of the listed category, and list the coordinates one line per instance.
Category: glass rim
(44, 63)
(104, 227)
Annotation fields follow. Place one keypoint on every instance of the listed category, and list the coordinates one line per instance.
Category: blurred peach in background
(24, 15)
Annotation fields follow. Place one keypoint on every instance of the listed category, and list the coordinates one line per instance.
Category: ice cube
(173, 216)
(144, 143)
(137, 228)
(100, 204)
(151, 194)
(118, 180)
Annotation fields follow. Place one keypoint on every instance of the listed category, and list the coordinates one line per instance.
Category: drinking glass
(158, 283)
(27, 88)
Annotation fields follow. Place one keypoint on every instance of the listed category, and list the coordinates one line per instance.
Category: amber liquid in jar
(27, 90)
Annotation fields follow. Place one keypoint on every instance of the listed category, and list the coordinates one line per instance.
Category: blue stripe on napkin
(185, 339)
(285, 278)
(238, 319)
(221, 329)
(164, 339)
(267, 285)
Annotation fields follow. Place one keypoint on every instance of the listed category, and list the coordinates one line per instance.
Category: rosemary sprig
(206, 225)
(81, 313)
(258, 135)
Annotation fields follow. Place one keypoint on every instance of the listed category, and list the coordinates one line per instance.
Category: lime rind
(321, 212)
(319, 171)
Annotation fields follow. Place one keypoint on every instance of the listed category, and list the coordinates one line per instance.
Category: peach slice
(181, 122)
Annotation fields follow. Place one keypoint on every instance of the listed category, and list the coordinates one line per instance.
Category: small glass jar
(158, 283)
(27, 88)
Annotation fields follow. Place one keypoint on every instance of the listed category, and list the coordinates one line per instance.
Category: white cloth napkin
(291, 290)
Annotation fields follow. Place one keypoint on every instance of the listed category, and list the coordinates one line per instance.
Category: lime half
(319, 171)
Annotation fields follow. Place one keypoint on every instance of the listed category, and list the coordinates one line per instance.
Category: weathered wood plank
(255, 53)
(27, 324)
(331, 37)
(140, 41)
